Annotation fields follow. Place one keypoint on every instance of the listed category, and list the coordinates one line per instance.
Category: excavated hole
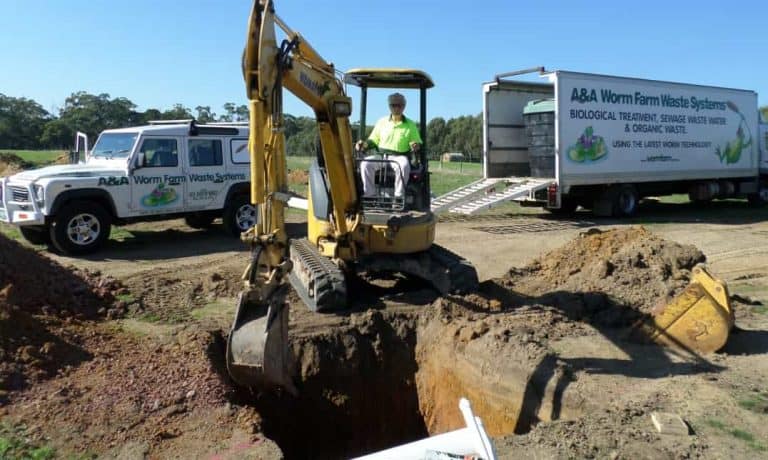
(371, 379)
(366, 384)
(393, 368)
(358, 394)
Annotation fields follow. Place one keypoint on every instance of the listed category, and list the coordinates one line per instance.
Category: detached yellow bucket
(699, 319)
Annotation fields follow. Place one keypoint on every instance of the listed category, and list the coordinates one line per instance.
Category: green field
(444, 177)
(37, 157)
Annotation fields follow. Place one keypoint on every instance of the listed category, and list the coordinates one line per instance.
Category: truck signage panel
(615, 125)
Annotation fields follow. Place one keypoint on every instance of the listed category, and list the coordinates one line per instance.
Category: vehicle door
(157, 185)
(206, 184)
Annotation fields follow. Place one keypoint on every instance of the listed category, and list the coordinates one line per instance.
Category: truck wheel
(36, 234)
(199, 220)
(754, 199)
(80, 227)
(625, 201)
(239, 215)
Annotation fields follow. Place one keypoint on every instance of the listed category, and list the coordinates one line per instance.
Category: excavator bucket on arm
(699, 319)
(257, 351)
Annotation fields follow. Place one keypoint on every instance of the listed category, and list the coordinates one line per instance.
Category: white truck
(159, 171)
(605, 142)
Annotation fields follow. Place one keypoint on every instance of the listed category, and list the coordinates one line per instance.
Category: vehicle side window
(205, 152)
(239, 151)
(160, 153)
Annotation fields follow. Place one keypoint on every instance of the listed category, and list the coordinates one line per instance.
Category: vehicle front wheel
(239, 215)
(80, 227)
(35, 234)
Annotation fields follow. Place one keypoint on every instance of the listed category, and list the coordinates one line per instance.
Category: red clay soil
(389, 370)
(39, 299)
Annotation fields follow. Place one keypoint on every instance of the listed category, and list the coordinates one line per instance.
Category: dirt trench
(393, 369)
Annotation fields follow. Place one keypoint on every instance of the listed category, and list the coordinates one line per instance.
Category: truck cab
(159, 171)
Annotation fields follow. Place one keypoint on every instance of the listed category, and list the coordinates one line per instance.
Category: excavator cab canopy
(389, 78)
(392, 78)
(395, 79)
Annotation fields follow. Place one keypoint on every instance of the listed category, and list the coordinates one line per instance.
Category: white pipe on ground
(471, 440)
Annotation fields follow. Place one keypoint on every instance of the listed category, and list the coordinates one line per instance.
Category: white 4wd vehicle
(155, 172)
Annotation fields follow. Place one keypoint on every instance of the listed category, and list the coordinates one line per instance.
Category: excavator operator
(395, 136)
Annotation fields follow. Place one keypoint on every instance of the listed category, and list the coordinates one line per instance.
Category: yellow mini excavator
(346, 233)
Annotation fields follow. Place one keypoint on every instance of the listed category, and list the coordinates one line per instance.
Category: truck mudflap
(699, 319)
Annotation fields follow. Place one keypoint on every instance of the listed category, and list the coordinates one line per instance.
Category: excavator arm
(257, 353)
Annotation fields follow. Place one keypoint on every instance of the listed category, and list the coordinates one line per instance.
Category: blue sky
(160, 52)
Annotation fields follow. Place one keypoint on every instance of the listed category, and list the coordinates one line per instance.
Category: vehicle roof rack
(172, 122)
(227, 123)
(195, 129)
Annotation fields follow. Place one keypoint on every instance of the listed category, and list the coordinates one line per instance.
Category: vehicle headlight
(39, 192)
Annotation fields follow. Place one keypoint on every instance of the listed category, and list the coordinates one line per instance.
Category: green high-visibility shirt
(390, 135)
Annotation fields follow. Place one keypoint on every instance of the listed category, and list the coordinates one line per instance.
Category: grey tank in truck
(604, 142)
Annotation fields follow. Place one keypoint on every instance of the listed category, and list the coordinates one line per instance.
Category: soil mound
(630, 270)
(37, 298)
(39, 285)
(11, 164)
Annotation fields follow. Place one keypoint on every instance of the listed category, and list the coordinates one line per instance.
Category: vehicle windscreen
(114, 145)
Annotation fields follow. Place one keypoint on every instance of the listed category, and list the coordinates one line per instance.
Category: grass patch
(756, 403)
(37, 157)
(10, 231)
(737, 433)
(14, 443)
(127, 298)
(218, 309)
(150, 318)
(120, 234)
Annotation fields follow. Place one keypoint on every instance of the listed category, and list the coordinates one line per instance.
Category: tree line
(25, 124)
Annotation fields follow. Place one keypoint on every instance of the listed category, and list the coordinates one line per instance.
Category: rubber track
(461, 273)
(330, 289)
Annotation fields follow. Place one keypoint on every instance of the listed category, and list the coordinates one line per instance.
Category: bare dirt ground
(541, 350)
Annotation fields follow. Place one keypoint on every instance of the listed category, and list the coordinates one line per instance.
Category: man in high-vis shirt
(394, 136)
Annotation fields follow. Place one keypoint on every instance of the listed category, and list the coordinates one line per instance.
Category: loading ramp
(489, 192)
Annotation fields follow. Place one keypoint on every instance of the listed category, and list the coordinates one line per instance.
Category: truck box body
(657, 137)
